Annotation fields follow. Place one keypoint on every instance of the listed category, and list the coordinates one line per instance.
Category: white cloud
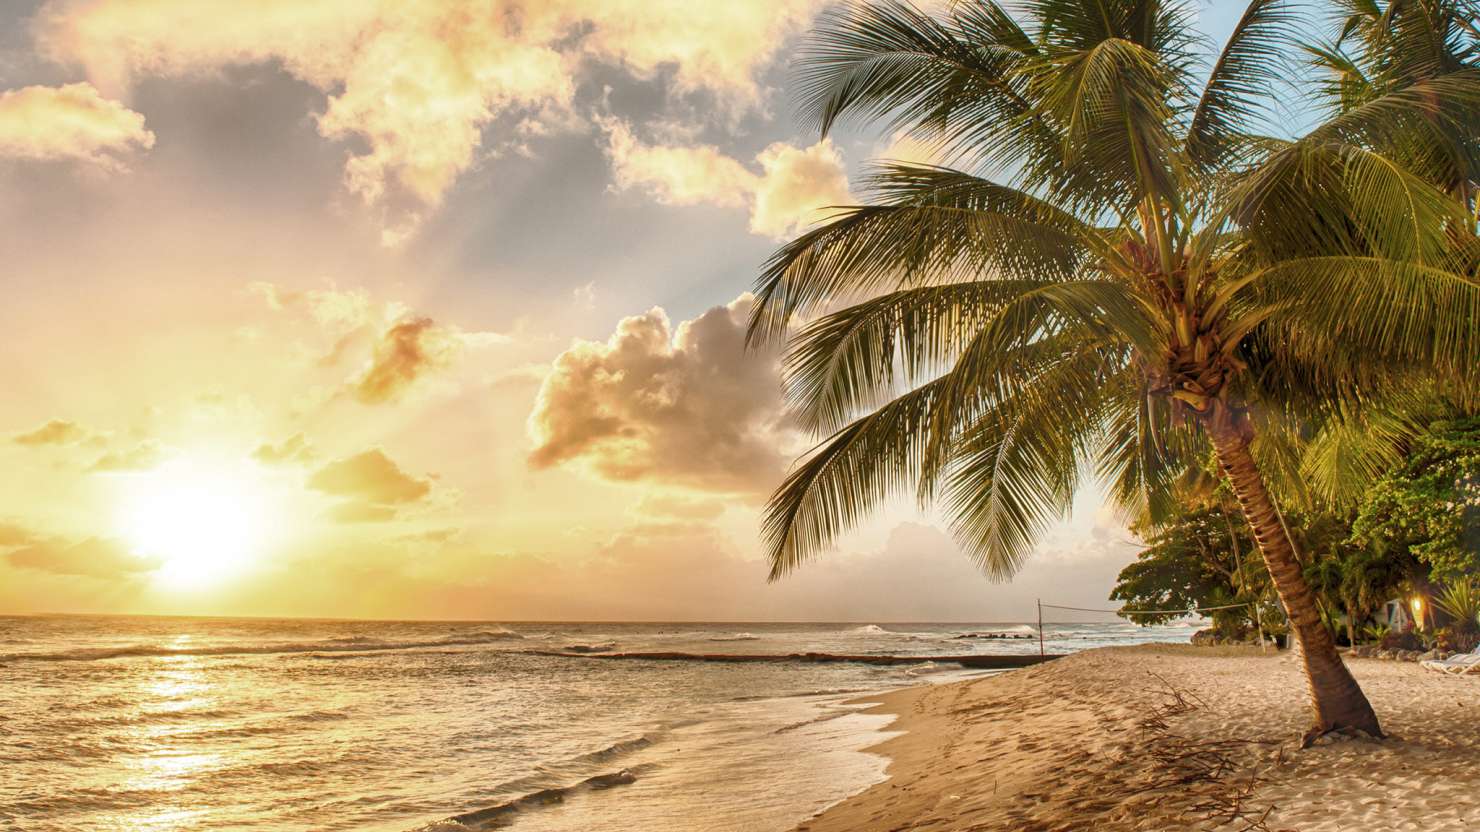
(798, 187)
(415, 84)
(793, 190)
(688, 406)
(70, 123)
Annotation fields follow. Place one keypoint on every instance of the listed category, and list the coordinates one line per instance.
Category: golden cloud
(370, 477)
(689, 407)
(12, 534)
(405, 352)
(140, 457)
(93, 557)
(696, 175)
(362, 513)
(794, 189)
(416, 83)
(54, 432)
(403, 348)
(71, 123)
(293, 449)
(798, 187)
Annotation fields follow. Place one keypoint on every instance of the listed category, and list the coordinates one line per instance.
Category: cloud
(404, 348)
(902, 147)
(406, 351)
(140, 457)
(697, 572)
(69, 123)
(12, 534)
(413, 86)
(93, 557)
(689, 406)
(293, 449)
(697, 175)
(707, 46)
(362, 513)
(670, 507)
(792, 191)
(797, 188)
(373, 487)
(54, 432)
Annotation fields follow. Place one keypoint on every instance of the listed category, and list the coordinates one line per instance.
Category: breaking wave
(737, 637)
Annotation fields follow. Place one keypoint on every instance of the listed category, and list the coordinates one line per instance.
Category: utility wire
(1149, 612)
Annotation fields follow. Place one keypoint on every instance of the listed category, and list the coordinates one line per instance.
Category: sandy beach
(1168, 737)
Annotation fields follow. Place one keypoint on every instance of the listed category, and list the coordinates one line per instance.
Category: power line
(1148, 612)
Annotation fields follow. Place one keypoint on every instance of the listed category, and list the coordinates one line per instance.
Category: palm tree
(1115, 272)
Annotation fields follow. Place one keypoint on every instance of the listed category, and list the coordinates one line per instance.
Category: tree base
(1357, 732)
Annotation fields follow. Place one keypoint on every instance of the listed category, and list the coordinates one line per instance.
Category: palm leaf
(1249, 65)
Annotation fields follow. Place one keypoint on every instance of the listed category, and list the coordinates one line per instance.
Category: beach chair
(1456, 665)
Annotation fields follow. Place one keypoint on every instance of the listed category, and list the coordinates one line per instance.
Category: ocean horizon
(180, 723)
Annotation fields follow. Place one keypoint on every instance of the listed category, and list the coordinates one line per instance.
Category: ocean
(135, 724)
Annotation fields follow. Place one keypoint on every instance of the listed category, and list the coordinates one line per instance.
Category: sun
(203, 525)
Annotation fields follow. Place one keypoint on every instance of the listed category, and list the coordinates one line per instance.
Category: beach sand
(1170, 737)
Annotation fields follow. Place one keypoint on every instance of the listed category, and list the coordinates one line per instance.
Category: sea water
(131, 724)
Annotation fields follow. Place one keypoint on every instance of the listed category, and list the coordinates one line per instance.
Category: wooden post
(1040, 626)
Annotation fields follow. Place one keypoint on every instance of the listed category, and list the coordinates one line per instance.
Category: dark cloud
(689, 406)
(370, 476)
(406, 351)
(293, 449)
(93, 557)
(54, 432)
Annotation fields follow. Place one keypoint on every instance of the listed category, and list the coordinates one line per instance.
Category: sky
(372, 308)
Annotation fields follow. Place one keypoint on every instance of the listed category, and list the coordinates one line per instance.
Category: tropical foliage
(1200, 560)
(1460, 601)
(1116, 269)
(1429, 505)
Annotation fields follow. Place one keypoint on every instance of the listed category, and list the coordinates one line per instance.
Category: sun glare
(203, 525)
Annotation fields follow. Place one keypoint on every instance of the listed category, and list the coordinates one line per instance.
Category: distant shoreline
(1167, 737)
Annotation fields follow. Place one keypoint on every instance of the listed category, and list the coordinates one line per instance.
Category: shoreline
(1159, 737)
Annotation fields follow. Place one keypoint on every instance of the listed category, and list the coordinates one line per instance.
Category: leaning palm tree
(1114, 273)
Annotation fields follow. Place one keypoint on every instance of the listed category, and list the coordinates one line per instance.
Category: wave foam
(498, 815)
(737, 637)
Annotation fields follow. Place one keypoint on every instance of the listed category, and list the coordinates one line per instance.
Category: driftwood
(1179, 762)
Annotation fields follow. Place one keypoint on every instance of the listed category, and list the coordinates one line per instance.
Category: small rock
(1429, 656)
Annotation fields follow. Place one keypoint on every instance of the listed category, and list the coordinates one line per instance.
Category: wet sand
(1170, 737)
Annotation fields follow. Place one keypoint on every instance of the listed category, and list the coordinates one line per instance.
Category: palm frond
(936, 226)
(1388, 310)
(950, 80)
(1332, 197)
(1145, 454)
(1014, 472)
(1249, 65)
(855, 471)
(1353, 448)
(855, 358)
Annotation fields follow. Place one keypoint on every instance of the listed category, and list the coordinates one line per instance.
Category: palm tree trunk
(1338, 701)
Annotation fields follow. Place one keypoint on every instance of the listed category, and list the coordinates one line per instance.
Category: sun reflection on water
(176, 700)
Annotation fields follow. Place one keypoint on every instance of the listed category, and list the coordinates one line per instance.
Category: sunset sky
(394, 309)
